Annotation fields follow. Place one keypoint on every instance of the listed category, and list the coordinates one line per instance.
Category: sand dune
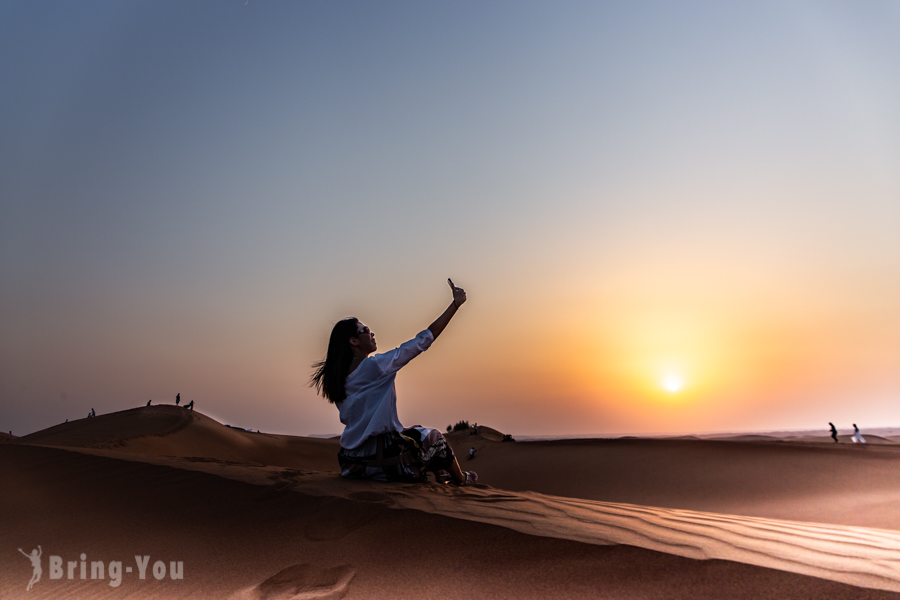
(167, 430)
(114, 428)
(271, 540)
(855, 555)
(843, 484)
(757, 505)
(745, 438)
(858, 556)
(816, 439)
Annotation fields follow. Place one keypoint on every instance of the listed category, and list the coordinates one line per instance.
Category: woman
(374, 443)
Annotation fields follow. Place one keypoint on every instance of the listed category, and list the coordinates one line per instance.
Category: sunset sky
(669, 217)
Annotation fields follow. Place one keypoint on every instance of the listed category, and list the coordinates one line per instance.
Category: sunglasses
(363, 330)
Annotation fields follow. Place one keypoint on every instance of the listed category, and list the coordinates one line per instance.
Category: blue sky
(191, 193)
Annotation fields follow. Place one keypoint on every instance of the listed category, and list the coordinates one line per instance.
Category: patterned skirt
(407, 455)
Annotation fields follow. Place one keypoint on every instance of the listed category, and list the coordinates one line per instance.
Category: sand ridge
(167, 430)
(859, 556)
(270, 541)
(842, 484)
(688, 472)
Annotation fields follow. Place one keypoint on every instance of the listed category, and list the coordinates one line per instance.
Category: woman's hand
(459, 294)
(459, 298)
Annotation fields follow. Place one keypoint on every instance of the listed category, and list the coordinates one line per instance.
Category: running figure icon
(35, 558)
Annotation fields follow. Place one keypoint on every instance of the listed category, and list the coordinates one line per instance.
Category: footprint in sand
(302, 582)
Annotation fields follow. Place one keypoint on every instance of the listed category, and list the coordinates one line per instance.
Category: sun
(672, 383)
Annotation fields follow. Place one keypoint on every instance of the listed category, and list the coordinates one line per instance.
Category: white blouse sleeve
(391, 361)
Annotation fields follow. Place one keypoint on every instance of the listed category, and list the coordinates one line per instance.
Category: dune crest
(167, 430)
(167, 435)
(859, 556)
(864, 557)
(113, 429)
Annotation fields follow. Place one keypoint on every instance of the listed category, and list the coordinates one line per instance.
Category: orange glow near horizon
(650, 356)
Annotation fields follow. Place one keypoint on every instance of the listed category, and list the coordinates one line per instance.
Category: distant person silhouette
(35, 558)
(9, 437)
(833, 433)
(177, 399)
(471, 453)
(190, 405)
(149, 401)
(857, 436)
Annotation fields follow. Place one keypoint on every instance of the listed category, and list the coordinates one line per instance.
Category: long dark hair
(329, 374)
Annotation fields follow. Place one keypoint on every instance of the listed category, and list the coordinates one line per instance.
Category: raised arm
(459, 298)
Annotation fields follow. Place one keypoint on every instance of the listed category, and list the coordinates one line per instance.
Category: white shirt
(370, 407)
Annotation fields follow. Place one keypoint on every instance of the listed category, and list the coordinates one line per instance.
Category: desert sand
(256, 515)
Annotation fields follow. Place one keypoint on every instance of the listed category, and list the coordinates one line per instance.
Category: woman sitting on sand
(374, 443)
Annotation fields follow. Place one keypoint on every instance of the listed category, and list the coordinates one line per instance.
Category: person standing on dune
(375, 444)
(833, 432)
(177, 398)
(857, 436)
